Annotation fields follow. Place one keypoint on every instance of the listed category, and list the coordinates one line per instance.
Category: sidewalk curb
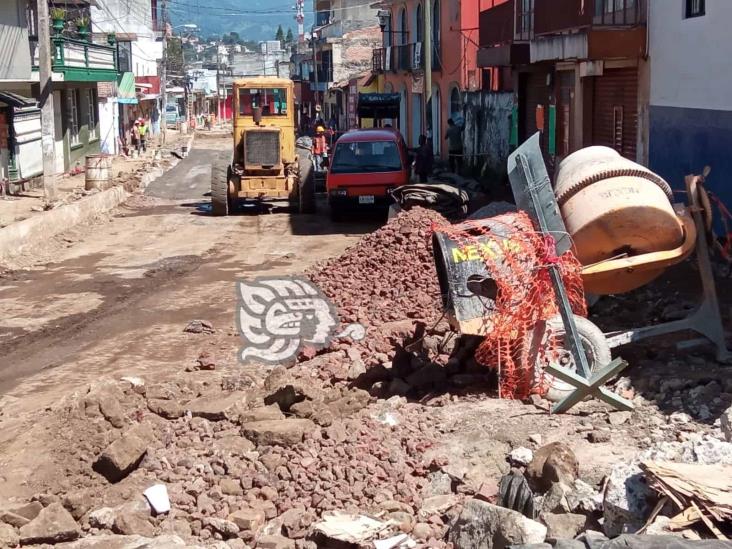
(18, 237)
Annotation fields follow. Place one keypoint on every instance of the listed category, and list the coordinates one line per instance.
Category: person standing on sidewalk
(142, 129)
(423, 160)
(135, 137)
(454, 138)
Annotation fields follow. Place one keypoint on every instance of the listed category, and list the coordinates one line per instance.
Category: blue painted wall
(683, 141)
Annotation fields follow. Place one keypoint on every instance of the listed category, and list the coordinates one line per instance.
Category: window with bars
(91, 119)
(695, 8)
(525, 19)
(72, 114)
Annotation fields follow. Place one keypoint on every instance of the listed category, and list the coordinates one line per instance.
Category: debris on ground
(199, 327)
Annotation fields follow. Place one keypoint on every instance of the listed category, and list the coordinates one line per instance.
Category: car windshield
(366, 157)
(272, 101)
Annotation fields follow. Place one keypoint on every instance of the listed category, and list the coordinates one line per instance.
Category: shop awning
(126, 89)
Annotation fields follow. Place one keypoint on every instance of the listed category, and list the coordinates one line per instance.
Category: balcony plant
(58, 18)
(82, 27)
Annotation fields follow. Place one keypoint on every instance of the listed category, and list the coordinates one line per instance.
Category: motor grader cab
(266, 163)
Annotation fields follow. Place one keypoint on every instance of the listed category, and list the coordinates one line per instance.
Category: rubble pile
(388, 276)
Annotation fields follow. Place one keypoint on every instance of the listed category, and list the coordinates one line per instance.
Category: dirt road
(115, 299)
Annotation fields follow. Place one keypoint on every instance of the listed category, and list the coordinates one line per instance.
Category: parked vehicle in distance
(364, 166)
(172, 115)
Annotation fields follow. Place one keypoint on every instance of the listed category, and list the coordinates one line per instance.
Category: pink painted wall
(458, 58)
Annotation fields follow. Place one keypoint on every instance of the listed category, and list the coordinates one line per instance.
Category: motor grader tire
(220, 198)
(594, 343)
(306, 185)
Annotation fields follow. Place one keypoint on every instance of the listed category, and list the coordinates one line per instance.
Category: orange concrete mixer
(620, 216)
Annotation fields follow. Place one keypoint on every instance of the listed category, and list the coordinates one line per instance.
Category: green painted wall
(89, 142)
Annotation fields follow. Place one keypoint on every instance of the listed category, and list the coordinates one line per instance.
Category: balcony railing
(555, 16)
(80, 60)
(403, 57)
(496, 24)
(324, 75)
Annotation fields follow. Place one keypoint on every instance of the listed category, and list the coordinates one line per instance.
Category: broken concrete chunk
(102, 518)
(168, 409)
(564, 525)
(626, 502)
(28, 511)
(234, 445)
(726, 424)
(53, 524)
(261, 413)
(218, 407)
(520, 457)
(112, 411)
(133, 523)
(109, 541)
(482, 525)
(199, 327)
(283, 432)
(8, 536)
(275, 542)
(13, 519)
(122, 456)
(552, 463)
(248, 519)
(226, 528)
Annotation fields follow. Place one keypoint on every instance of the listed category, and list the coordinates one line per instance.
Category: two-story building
(80, 61)
(338, 50)
(400, 59)
(578, 68)
(691, 91)
(137, 31)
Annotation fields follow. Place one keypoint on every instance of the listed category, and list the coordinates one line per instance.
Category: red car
(365, 165)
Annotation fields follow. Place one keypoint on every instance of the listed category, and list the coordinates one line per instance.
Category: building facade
(139, 49)
(579, 71)
(400, 61)
(691, 91)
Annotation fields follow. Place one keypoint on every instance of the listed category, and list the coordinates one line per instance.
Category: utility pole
(428, 67)
(315, 67)
(164, 70)
(48, 137)
(218, 85)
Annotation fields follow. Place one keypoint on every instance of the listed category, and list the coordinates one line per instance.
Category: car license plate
(366, 199)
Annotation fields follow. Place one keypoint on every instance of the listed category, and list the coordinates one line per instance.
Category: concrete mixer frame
(534, 194)
(706, 320)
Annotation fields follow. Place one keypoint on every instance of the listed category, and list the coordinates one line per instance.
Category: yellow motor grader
(267, 161)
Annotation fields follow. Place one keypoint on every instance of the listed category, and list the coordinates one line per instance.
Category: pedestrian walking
(454, 138)
(320, 148)
(135, 136)
(155, 119)
(423, 160)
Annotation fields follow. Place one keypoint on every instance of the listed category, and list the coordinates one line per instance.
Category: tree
(280, 34)
(289, 38)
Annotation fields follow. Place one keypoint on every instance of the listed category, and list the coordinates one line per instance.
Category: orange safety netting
(518, 262)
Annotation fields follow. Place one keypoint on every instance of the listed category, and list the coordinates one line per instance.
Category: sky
(252, 19)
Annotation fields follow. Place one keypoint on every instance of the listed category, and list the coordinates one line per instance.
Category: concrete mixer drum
(613, 208)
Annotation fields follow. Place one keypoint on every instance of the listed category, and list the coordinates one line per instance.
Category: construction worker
(142, 131)
(320, 148)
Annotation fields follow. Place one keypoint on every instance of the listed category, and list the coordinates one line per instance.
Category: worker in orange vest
(320, 148)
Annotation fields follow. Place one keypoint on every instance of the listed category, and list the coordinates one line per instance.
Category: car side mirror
(257, 115)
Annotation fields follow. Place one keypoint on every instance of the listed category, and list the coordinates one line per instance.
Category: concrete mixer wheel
(595, 346)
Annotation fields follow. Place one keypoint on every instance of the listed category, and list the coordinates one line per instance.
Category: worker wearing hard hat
(320, 148)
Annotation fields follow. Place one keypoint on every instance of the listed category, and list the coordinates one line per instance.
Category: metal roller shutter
(615, 111)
